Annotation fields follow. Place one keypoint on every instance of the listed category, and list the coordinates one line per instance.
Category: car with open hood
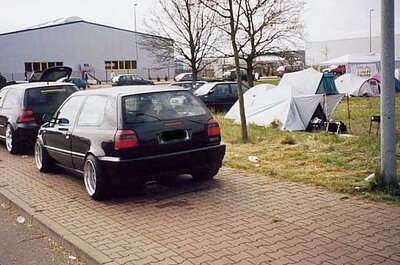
(22, 107)
(51, 74)
(133, 134)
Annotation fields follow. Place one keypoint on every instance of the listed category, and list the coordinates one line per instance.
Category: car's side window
(66, 116)
(222, 89)
(11, 100)
(234, 89)
(92, 113)
(2, 96)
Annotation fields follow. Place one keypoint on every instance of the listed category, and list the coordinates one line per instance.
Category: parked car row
(131, 133)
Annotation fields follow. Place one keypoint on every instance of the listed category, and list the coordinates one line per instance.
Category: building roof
(73, 20)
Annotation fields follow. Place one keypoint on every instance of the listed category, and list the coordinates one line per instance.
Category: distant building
(320, 51)
(89, 48)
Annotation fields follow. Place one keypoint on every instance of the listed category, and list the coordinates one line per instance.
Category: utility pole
(370, 31)
(136, 36)
(388, 103)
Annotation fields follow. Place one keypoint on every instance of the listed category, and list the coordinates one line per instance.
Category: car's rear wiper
(147, 115)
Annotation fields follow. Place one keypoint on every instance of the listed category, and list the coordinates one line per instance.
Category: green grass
(335, 162)
(272, 81)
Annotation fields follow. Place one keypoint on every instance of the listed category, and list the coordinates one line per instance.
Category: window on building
(36, 67)
(120, 65)
(114, 65)
(40, 66)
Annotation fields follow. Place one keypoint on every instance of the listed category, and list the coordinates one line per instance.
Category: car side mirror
(63, 121)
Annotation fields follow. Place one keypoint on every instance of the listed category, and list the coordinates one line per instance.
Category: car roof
(37, 84)
(126, 74)
(128, 90)
(204, 89)
(187, 82)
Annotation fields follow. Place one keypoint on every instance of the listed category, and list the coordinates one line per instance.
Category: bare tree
(161, 49)
(231, 12)
(191, 26)
(267, 27)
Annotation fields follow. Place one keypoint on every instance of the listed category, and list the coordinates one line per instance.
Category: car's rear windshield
(160, 106)
(48, 97)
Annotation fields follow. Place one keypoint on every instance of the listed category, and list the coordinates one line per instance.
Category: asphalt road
(21, 243)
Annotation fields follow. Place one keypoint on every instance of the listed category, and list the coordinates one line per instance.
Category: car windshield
(160, 106)
(48, 97)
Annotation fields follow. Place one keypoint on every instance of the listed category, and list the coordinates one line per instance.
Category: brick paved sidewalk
(236, 219)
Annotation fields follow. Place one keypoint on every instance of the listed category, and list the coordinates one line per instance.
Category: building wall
(320, 51)
(76, 44)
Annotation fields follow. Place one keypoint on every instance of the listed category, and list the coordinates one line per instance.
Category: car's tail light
(125, 139)
(26, 116)
(213, 129)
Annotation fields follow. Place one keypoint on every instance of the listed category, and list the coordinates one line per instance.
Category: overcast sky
(324, 19)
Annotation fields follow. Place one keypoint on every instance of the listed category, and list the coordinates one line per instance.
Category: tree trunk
(250, 79)
(243, 122)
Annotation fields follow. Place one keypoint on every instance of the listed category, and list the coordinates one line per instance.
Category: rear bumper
(185, 162)
(26, 133)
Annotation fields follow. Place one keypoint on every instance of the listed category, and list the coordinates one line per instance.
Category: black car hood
(51, 74)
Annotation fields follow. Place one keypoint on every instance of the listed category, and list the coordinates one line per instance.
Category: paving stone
(236, 219)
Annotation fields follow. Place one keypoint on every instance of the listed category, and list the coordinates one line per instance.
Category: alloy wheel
(38, 155)
(9, 138)
(89, 176)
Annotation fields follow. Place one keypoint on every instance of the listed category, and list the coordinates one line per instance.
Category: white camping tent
(289, 106)
(251, 97)
(355, 85)
(365, 64)
(308, 79)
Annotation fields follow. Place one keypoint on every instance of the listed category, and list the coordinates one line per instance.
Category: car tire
(95, 179)
(11, 144)
(206, 174)
(42, 159)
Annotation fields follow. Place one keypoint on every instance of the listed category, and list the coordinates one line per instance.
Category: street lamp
(370, 30)
(134, 15)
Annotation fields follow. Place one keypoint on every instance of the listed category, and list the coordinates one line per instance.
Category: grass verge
(333, 161)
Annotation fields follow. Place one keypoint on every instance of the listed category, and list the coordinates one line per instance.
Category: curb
(56, 232)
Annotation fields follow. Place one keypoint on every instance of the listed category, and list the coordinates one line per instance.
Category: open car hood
(51, 74)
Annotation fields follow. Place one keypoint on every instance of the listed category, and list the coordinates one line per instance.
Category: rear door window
(222, 89)
(2, 96)
(160, 106)
(12, 99)
(92, 113)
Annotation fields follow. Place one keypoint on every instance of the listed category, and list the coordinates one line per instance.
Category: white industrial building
(91, 48)
(321, 51)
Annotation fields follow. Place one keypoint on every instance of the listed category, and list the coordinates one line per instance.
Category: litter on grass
(254, 159)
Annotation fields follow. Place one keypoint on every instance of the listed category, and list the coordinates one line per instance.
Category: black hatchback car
(133, 134)
(219, 96)
(129, 80)
(22, 107)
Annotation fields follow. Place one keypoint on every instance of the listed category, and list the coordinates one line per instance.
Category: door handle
(67, 135)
